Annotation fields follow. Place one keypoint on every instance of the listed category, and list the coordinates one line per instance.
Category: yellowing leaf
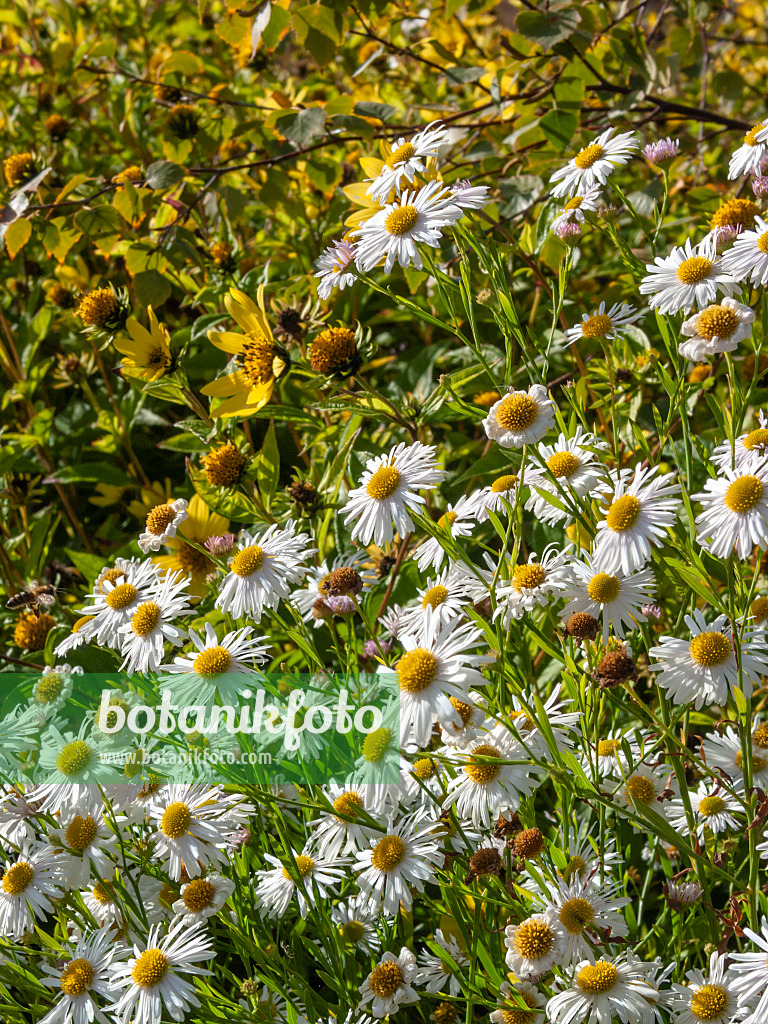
(17, 236)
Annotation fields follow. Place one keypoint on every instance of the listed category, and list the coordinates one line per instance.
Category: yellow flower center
(502, 484)
(750, 139)
(388, 853)
(576, 866)
(198, 895)
(17, 878)
(383, 483)
(352, 931)
(481, 772)
(80, 833)
(110, 576)
(98, 308)
(516, 1015)
(150, 968)
(756, 439)
(743, 494)
(385, 979)
(224, 466)
(623, 513)
(693, 270)
(401, 220)
(573, 204)
(257, 361)
(562, 464)
(100, 894)
(76, 977)
(709, 1002)
(434, 597)
(710, 649)
(448, 519)
(711, 805)
(159, 518)
(424, 768)
(608, 748)
(213, 661)
(528, 576)
(760, 736)
(348, 803)
(758, 763)
(74, 758)
(376, 744)
(417, 670)
(123, 595)
(332, 349)
(192, 561)
(639, 790)
(597, 978)
(588, 156)
(735, 212)
(597, 326)
(603, 588)
(716, 321)
(48, 688)
(762, 242)
(576, 915)
(517, 412)
(176, 820)
(146, 618)
(401, 154)
(463, 710)
(248, 561)
(304, 865)
(533, 939)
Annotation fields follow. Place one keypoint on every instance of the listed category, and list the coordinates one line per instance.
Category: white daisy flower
(456, 521)
(600, 324)
(594, 163)
(87, 841)
(643, 786)
(54, 688)
(356, 922)
(116, 595)
(562, 723)
(583, 907)
(712, 807)
(495, 497)
(640, 513)
(468, 196)
(153, 978)
(263, 570)
(686, 278)
(520, 417)
(435, 973)
(403, 859)
(435, 666)
(531, 584)
(162, 523)
(201, 898)
(569, 465)
(276, 886)
(747, 259)
(605, 990)
(535, 945)
(754, 442)
(609, 757)
(390, 984)
(393, 232)
(734, 517)
(748, 158)
(189, 827)
(718, 328)
(215, 667)
(446, 595)
(407, 158)
(724, 752)
(386, 492)
(705, 669)
(84, 970)
(516, 999)
(68, 765)
(75, 639)
(335, 835)
(391, 621)
(750, 984)
(142, 639)
(617, 599)
(484, 788)
(101, 902)
(575, 208)
(712, 998)
(422, 782)
(469, 719)
(28, 885)
(18, 826)
(335, 268)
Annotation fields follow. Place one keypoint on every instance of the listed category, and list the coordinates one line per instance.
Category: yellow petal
(227, 341)
(233, 382)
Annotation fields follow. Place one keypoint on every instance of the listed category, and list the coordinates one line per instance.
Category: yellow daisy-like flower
(259, 361)
(199, 525)
(147, 354)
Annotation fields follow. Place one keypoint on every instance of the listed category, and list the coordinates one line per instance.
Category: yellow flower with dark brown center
(19, 167)
(259, 361)
(183, 121)
(333, 350)
(734, 213)
(57, 127)
(147, 354)
(224, 466)
(31, 631)
(60, 296)
(102, 310)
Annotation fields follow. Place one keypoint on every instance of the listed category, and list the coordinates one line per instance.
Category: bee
(33, 596)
